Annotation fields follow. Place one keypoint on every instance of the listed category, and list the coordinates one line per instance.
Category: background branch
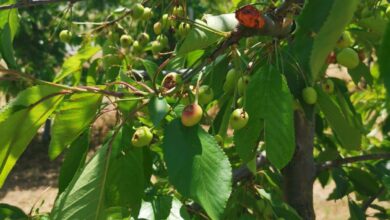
(339, 162)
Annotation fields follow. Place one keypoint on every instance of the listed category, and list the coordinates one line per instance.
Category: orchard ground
(33, 181)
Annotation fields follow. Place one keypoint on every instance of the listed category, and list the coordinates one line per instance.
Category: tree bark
(300, 172)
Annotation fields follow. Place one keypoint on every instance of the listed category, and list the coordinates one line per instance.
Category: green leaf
(383, 60)
(223, 22)
(355, 211)
(280, 208)
(218, 74)
(342, 184)
(6, 47)
(361, 71)
(376, 23)
(320, 25)
(75, 62)
(125, 178)
(386, 181)
(117, 213)
(163, 207)
(84, 197)
(74, 160)
(197, 39)
(126, 106)
(363, 182)
(26, 98)
(283, 210)
(194, 56)
(151, 68)
(73, 117)
(112, 178)
(18, 130)
(269, 101)
(200, 38)
(345, 130)
(197, 167)
(9, 25)
(11, 17)
(221, 122)
(11, 212)
(158, 109)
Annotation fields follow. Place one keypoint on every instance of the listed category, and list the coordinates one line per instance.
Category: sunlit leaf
(73, 117)
(18, 130)
(74, 63)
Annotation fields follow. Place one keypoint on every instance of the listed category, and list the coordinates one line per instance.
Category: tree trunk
(299, 173)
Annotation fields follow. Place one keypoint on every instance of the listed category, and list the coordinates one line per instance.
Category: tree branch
(31, 3)
(339, 162)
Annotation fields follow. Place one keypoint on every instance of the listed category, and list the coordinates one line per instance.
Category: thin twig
(112, 22)
(89, 89)
(131, 87)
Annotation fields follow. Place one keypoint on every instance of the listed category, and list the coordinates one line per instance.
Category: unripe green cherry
(126, 41)
(348, 58)
(230, 80)
(238, 119)
(184, 28)
(142, 137)
(65, 36)
(171, 82)
(147, 14)
(156, 47)
(309, 95)
(242, 84)
(138, 11)
(206, 94)
(163, 40)
(328, 86)
(157, 28)
(143, 38)
(137, 47)
(165, 22)
(178, 11)
(191, 115)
